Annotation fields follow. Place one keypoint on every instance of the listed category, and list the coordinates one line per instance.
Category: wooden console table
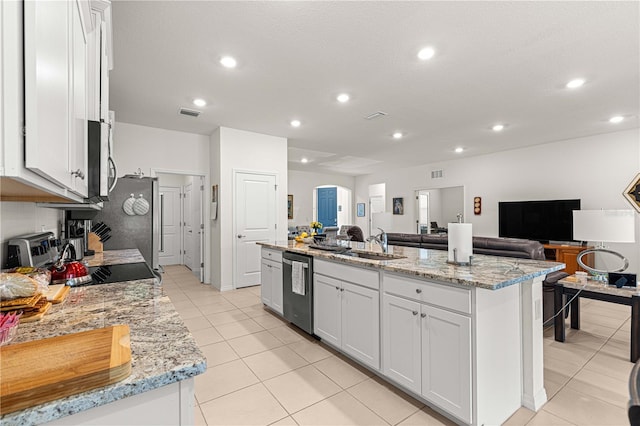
(568, 255)
(598, 291)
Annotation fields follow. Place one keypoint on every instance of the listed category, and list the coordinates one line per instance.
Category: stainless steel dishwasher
(298, 308)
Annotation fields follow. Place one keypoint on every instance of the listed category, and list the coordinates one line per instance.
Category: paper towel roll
(461, 239)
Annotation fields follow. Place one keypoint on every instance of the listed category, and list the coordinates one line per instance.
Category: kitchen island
(466, 340)
(164, 355)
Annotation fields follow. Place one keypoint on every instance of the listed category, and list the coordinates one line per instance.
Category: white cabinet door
(47, 89)
(276, 287)
(326, 309)
(79, 131)
(361, 324)
(446, 355)
(266, 284)
(401, 347)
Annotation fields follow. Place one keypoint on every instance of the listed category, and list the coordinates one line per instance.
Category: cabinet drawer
(275, 255)
(360, 276)
(458, 299)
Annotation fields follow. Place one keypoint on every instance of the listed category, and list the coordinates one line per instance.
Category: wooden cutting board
(48, 369)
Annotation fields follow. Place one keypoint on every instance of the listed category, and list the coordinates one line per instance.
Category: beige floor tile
(177, 296)
(312, 351)
(342, 372)
(199, 417)
(613, 366)
(269, 321)
(256, 309)
(426, 417)
(582, 338)
(340, 409)
(583, 409)
(287, 334)
(595, 328)
(184, 305)
(388, 402)
(287, 421)
(254, 343)
(544, 418)
(218, 353)
(560, 367)
(617, 349)
(226, 317)
(601, 320)
(552, 387)
(253, 405)
(239, 328)
(216, 307)
(274, 362)
(569, 352)
(197, 323)
(223, 379)
(207, 336)
(622, 335)
(301, 388)
(520, 417)
(601, 386)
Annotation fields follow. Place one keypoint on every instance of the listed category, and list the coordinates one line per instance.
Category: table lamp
(602, 226)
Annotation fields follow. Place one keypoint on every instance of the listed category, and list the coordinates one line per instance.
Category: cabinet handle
(423, 315)
(78, 173)
(418, 290)
(415, 312)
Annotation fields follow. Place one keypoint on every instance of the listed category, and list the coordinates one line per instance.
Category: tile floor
(261, 371)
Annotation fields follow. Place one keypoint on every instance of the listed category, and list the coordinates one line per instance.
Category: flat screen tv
(544, 221)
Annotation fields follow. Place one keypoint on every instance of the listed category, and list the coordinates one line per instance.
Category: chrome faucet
(381, 239)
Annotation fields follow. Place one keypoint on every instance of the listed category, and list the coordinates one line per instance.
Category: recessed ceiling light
(575, 83)
(397, 135)
(343, 97)
(426, 53)
(616, 119)
(498, 127)
(459, 149)
(228, 61)
(199, 102)
(295, 123)
(304, 160)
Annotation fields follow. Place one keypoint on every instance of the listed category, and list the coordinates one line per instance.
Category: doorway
(328, 206)
(254, 208)
(182, 221)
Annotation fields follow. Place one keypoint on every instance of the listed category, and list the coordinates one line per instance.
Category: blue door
(328, 206)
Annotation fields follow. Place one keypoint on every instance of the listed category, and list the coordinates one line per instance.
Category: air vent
(375, 115)
(436, 174)
(189, 112)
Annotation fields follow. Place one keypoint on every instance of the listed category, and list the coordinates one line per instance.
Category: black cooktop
(116, 273)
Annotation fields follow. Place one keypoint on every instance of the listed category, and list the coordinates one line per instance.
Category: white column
(534, 395)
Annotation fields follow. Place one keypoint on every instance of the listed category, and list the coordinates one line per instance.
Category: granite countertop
(599, 287)
(114, 257)
(163, 351)
(490, 272)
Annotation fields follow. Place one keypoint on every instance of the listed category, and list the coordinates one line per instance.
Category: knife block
(94, 243)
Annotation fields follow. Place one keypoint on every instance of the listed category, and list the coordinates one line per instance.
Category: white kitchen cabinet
(446, 360)
(100, 61)
(427, 348)
(78, 148)
(347, 315)
(327, 309)
(402, 349)
(271, 280)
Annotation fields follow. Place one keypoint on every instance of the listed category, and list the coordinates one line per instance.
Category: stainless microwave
(101, 167)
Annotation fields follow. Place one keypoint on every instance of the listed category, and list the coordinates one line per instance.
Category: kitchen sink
(373, 256)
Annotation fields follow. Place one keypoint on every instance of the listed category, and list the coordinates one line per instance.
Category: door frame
(234, 222)
(205, 204)
(163, 189)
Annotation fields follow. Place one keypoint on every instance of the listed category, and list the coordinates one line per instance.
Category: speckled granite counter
(490, 272)
(163, 351)
(114, 257)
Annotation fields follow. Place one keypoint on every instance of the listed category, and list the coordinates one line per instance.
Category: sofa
(507, 247)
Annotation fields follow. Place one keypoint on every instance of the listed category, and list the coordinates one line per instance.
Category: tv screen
(544, 221)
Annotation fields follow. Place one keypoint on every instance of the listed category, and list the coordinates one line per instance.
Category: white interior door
(255, 220)
(189, 240)
(376, 205)
(170, 235)
(201, 228)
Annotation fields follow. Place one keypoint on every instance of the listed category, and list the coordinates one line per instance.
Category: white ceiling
(496, 62)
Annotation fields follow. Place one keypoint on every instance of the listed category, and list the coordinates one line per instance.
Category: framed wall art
(398, 205)
(360, 209)
(290, 206)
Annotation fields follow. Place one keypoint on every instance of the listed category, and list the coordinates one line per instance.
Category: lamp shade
(614, 226)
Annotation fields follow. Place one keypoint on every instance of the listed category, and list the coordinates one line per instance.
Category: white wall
(156, 151)
(19, 218)
(240, 150)
(452, 204)
(302, 185)
(595, 169)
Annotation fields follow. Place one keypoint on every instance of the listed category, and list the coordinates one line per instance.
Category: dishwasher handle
(289, 262)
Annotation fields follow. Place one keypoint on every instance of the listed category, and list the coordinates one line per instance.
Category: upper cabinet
(60, 84)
